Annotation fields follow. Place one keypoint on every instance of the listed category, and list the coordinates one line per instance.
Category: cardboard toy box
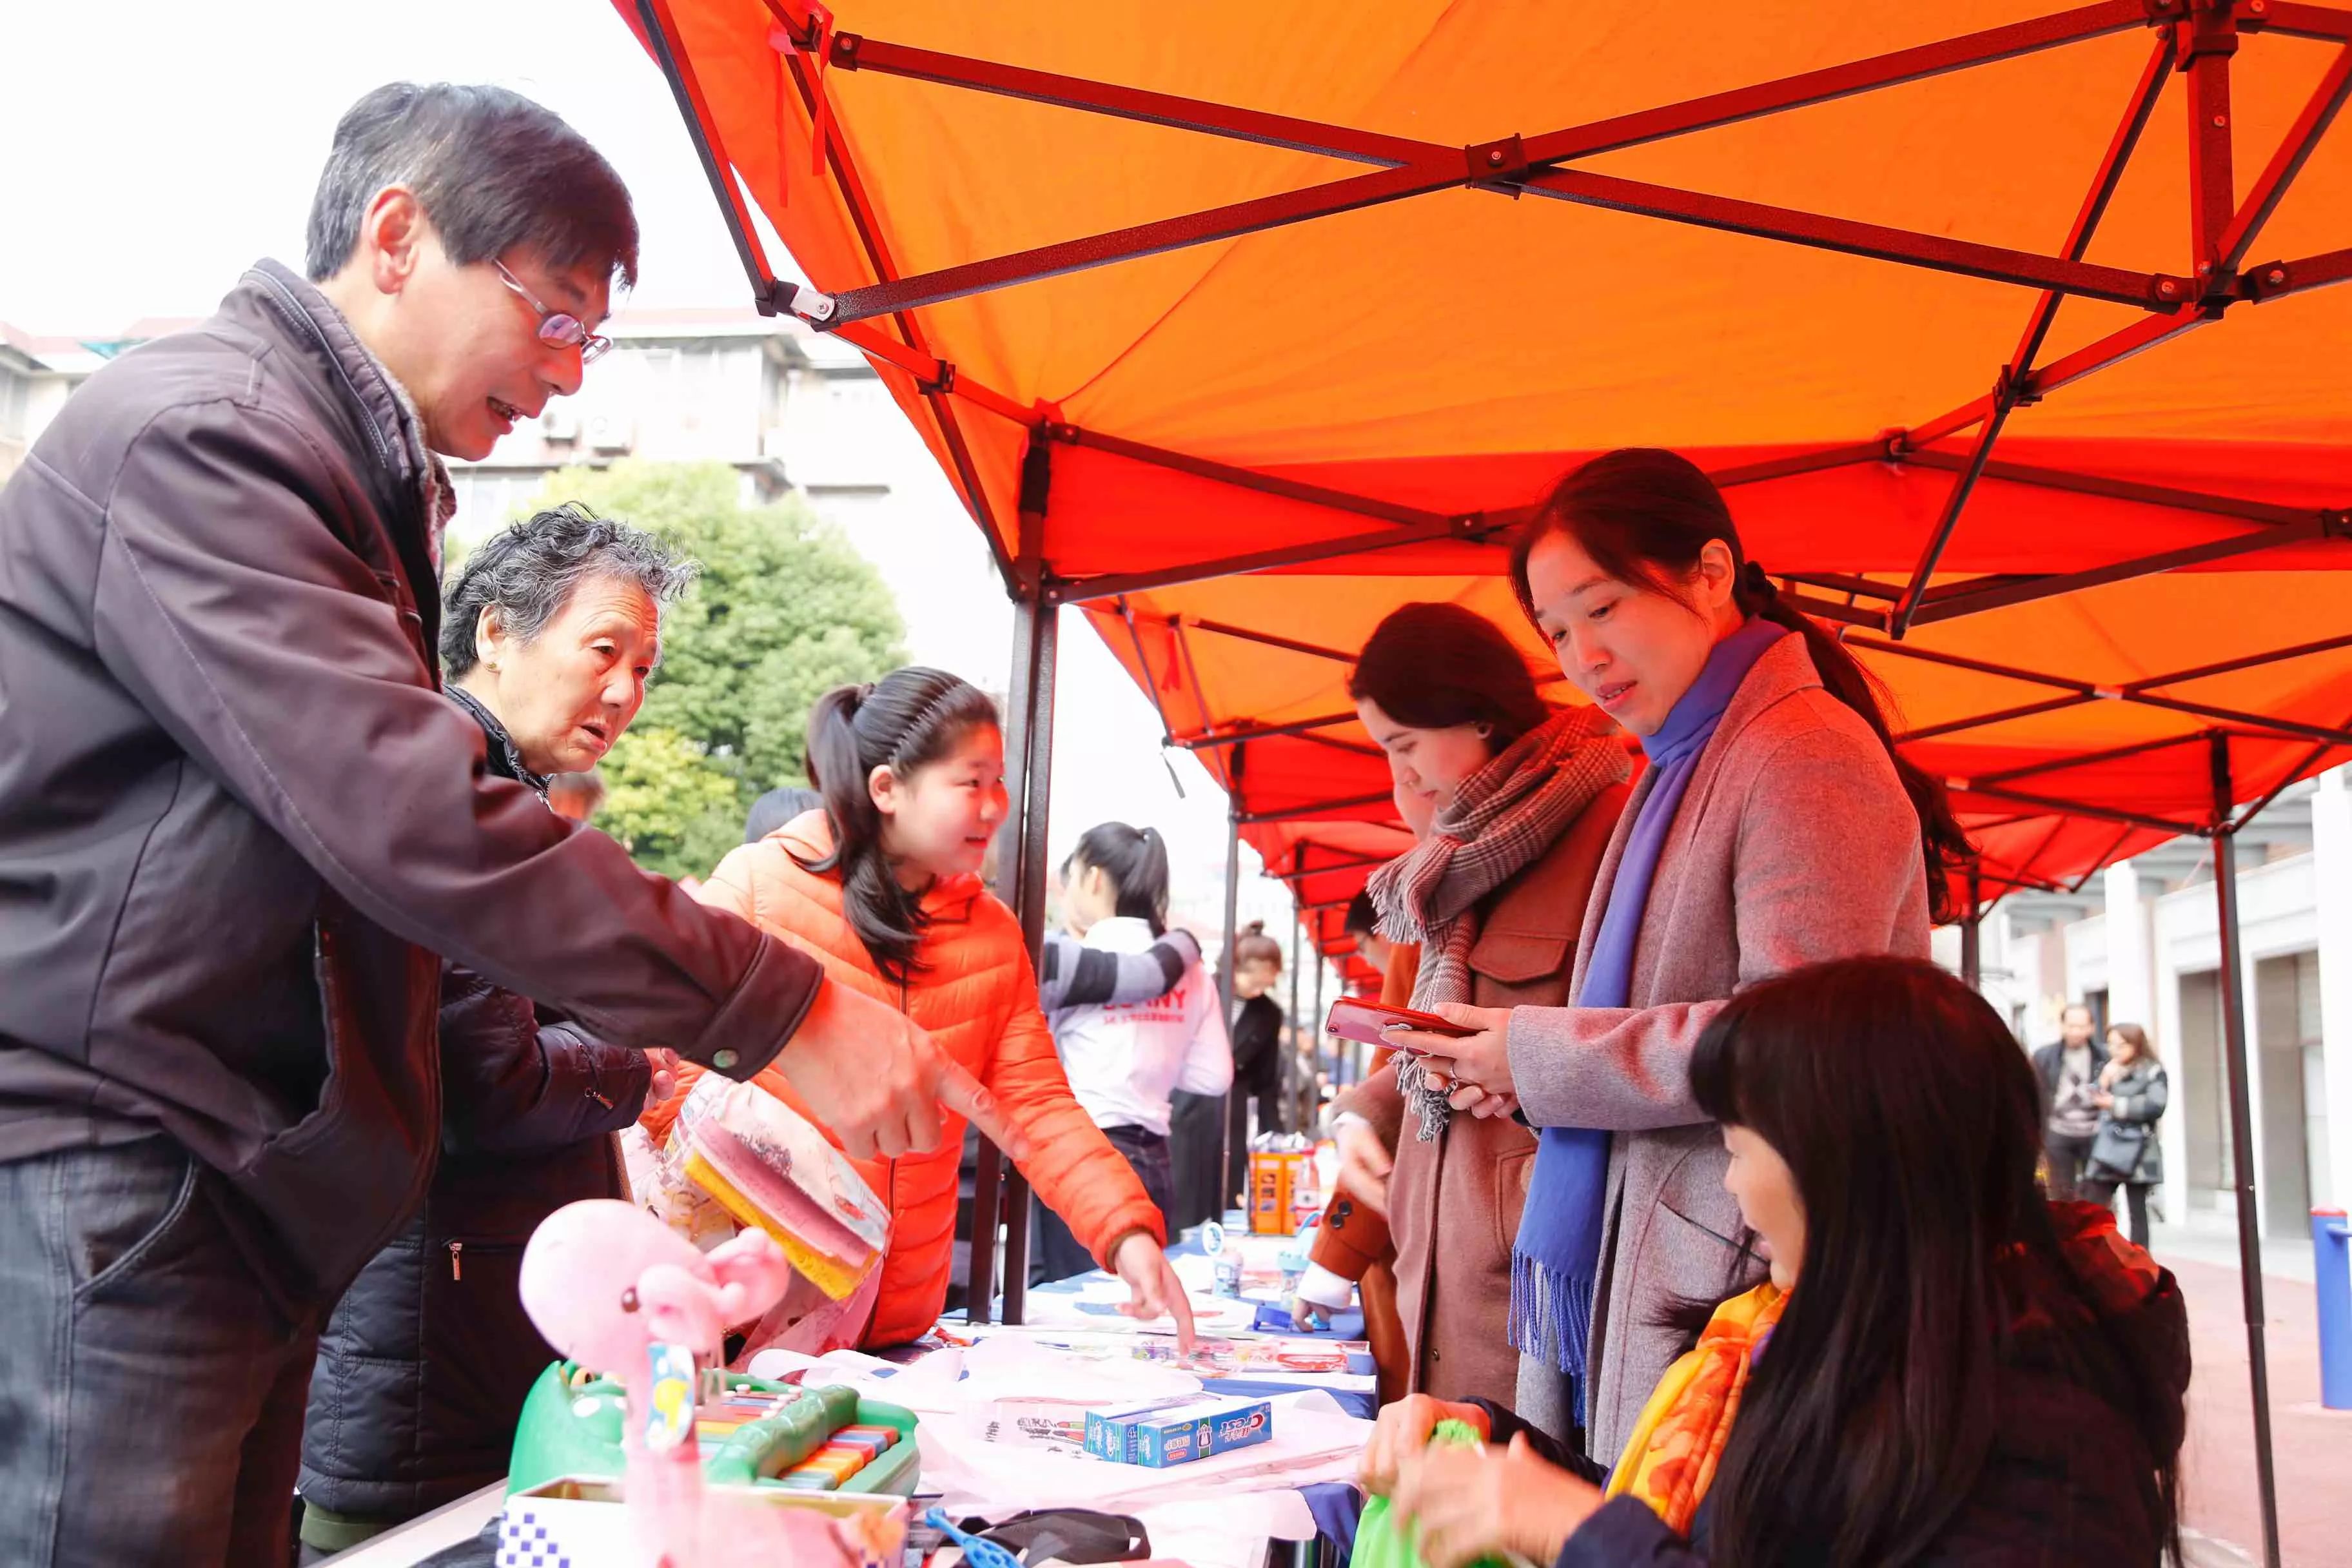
(1178, 1430)
(577, 1521)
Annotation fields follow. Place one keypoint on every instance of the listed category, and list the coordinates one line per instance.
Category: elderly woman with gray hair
(551, 630)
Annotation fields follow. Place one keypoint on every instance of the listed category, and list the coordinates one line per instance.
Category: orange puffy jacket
(977, 996)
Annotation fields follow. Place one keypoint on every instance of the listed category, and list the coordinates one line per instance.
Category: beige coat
(1454, 1203)
(1794, 843)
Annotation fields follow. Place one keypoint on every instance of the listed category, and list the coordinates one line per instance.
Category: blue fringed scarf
(1556, 1260)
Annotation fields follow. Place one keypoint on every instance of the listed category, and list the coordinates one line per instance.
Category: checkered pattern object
(523, 1544)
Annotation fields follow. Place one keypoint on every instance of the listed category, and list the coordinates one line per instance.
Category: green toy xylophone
(752, 1433)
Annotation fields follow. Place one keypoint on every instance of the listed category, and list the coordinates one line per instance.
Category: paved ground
(2313, 1446)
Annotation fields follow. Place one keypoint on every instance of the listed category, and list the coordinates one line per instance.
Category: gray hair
(530, 569)
(492, 169)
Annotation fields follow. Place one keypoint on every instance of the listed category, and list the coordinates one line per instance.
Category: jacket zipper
(456, 1261)
(890, 1167)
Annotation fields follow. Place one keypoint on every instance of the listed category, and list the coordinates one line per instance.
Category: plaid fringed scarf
(1503, 818)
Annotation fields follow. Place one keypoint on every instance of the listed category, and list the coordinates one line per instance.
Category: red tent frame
(2197, 38)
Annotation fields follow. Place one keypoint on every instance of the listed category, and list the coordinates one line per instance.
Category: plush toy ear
(753, 1271)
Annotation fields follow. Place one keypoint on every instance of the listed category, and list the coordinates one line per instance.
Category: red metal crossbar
(2070, 761)
(1414, 168)
(1268, 639)
(2061, 806)
(2011, 387)
(1143, 666)
(2001, 716)
(1318, 808)
(1255, 216)
(1934, 252)
(2296, 21)
(2293, 151)
(1268, 484)
(1351, 863)
(2136, 490)
(2246, 662)
(1963, 602)
(1233, 735)
(2139, 693)
(852, 51)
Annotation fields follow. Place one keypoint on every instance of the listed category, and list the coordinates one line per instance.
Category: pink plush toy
(619, 1292)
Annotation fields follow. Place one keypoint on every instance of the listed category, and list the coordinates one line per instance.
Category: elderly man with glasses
(237, 822)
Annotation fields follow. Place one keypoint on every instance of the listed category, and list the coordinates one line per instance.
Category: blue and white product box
(1178, 1430)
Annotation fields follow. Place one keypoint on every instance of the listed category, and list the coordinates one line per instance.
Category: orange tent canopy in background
(1358, 403)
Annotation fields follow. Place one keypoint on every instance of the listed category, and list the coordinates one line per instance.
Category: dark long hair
(1436, 666)
(1136, 861)
(1644, 515)
(2143, 1050)
(1911, 1123)
(906, 719)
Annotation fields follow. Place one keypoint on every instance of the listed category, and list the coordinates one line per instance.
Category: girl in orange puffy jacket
(883, 885)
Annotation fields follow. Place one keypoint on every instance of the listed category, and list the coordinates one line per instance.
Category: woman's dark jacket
(2127, 1148)
(2069, 1479)
(423, 1364)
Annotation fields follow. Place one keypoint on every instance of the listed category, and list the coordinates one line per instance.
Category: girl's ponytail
(837, 772)
(1136, 861)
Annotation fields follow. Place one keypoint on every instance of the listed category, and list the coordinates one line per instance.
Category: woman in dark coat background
(2124, 1152)
(551, 630)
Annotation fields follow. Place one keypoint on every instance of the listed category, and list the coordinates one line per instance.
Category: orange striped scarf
(1678, 1442)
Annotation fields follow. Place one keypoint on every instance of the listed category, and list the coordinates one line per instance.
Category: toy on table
(773, 1170)
(1295, 1257)
(751, 1431)
(622, 1295)
(1178, 1430)
(978, 1550)
(737, 1159)
(1282, 1182)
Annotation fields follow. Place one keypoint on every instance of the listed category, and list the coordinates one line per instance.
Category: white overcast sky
(149, 150)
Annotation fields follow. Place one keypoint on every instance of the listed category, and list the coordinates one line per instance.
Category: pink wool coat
(1795, 843)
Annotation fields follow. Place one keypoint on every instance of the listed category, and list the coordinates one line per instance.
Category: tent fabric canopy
(1336, 391)
(2005, 325)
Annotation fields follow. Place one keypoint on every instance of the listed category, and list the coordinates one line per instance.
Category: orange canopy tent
(2004, 326)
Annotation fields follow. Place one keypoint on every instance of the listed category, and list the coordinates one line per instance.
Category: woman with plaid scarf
(1520, 799)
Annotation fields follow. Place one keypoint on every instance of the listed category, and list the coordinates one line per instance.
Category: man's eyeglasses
(556, 328)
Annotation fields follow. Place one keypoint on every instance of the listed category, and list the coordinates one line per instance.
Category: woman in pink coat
(1774, 827)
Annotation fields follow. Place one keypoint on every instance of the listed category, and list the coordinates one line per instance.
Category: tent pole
(1972, 931)
(1019, 871)
(2241, 1136)
(1225, 982)
(1291, 1066)
(1315, 1019)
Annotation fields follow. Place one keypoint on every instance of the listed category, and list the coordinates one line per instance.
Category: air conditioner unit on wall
(609, 434)
(560, 424)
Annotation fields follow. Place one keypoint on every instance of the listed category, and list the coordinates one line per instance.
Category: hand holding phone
(1353, 1018)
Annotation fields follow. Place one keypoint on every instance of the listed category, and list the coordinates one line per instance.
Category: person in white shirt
(1126, 1061)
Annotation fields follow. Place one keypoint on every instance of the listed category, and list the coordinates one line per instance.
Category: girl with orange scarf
(1943, 1368)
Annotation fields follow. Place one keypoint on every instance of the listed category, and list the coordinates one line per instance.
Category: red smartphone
(1352, 1018)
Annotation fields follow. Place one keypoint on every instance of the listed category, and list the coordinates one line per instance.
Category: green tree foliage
(677, 809)
(785, 610)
